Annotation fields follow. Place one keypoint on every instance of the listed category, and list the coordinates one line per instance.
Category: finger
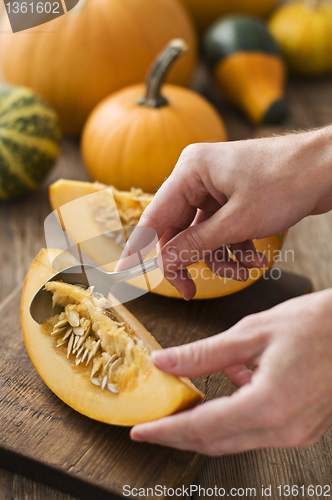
(247, 254)
(239, 375)
(221, 263)
(172, 200)
(141, 242)
(206, 210)
(192, 215)
(220, 229)
(194, 429)
(179, 225)
(211, 355)
(183, 282)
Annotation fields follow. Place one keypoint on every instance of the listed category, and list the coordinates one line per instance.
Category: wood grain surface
(45, 439)
(21, 230)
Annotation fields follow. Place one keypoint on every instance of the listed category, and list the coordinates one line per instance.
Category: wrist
(317, 157)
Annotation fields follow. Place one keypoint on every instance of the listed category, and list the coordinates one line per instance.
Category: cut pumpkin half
(86, 212)
(95, 355)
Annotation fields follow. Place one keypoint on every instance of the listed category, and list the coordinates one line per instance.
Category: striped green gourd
(29, 141)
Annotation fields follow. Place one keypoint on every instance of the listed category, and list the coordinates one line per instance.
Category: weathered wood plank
(42, 437)
(21, 229)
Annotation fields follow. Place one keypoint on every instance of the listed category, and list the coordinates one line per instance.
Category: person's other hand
(286, 402)
(231, 193)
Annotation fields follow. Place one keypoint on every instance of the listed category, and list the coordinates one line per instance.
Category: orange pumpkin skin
(97, 48)
(204, 12)
(125, 144)
(304, 34)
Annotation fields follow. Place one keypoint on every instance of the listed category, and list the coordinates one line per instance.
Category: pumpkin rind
(99, 47)
(156, 396)
(135, 136)
(208, 285)
(29, 140)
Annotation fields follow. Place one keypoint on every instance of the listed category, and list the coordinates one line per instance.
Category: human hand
(286, 402)
(233, 193)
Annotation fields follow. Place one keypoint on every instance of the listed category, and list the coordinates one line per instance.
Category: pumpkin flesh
(144, 394)
(82, 227)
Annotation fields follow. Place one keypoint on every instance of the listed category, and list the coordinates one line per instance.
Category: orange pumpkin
(304, 32)
(204, 12)
(97, 48)
(132, 140)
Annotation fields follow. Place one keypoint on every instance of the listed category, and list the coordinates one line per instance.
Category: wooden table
(21, 230)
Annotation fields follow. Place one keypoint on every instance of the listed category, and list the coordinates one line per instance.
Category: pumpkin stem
(158, 73)
(313, 4)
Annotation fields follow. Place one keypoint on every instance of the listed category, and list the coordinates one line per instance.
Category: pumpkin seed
(67, 333)
(104, 382)
(70, 345)
(112, 388)
(84, 337)
(95, 381)
(115, 365)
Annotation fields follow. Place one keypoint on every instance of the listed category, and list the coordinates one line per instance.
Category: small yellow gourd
(303, 31)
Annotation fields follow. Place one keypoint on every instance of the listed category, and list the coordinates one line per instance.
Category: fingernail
(183, 294)
(135, 435)
(262, 260)
(241, 275)
(164, 358)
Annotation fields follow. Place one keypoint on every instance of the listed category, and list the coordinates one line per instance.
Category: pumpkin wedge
(90, 218)
(94, 359)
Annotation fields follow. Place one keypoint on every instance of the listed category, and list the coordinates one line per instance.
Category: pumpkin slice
(94, 359)
(89, 217)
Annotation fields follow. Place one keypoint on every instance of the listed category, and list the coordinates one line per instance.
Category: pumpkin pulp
(88, 216)
(134, 390)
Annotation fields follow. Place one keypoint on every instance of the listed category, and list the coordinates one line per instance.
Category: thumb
(211, 355)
